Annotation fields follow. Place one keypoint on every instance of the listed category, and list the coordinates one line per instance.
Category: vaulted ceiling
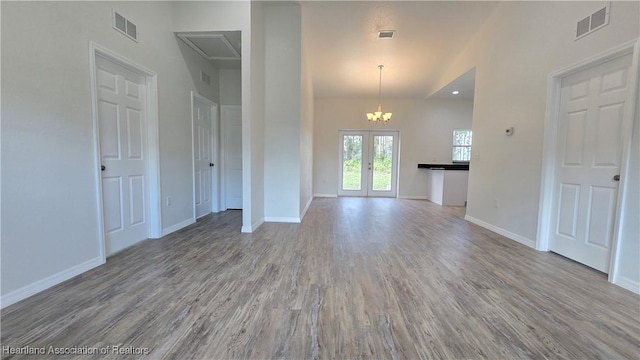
(344, 50)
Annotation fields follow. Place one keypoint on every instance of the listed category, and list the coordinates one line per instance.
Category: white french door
(368, 163)
(123, 151)
(591, 127)
(204, 177)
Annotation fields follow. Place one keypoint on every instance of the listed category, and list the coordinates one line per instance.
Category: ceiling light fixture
(378, 116)
(455, 92)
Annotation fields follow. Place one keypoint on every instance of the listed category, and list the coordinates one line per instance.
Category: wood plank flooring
(358, 278)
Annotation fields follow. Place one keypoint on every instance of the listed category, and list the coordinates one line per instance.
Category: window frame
(454, 146)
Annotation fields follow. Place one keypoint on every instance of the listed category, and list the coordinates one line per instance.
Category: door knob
(211, 165)
(616, 177)
(103, 168)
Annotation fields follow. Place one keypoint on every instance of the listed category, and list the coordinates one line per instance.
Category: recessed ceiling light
(455, 92)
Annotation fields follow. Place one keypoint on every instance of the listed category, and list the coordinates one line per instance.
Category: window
(461, 145)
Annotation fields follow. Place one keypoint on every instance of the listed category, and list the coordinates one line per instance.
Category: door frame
(223, 190)
(215, 195)
(548, 179)
(152, 185)
(367, 142)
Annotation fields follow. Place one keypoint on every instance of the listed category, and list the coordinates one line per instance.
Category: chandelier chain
(380, 85)
(378, 116)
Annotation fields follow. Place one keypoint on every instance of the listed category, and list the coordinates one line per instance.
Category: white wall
(426, 132)
(257, 83)
(49, 208)
(233, 16)
(230, 87)
(282, 112)
(514, 52)
(306, 134)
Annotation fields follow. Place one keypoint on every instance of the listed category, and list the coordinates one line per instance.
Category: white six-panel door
(592, 108)
(202, 156)
(122, 130)
(231, 119)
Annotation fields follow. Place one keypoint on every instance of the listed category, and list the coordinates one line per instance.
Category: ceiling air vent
(386, 34)
(593, 22)
(125, 26)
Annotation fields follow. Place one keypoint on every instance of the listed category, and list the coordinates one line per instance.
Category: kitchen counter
(446, 185)
(460, 166)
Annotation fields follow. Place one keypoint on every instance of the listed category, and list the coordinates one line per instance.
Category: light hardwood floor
(359, 278)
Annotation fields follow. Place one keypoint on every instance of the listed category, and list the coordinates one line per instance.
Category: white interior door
(232, 155)
(368, 163)
(122, 129)
(202, 155)
(591, 125)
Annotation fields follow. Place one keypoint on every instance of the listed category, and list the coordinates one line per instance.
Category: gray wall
(512, 69)
(49, 208)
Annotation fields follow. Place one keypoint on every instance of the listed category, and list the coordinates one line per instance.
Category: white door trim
(550, 143)
(215, 196)
(153, 151)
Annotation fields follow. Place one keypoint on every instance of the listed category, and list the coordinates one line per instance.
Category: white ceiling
(344, 50)
(465, 86)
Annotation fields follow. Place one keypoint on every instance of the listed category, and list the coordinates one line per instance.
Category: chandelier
(378, 116)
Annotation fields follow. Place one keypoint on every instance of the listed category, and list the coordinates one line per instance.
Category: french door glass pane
(351, 162)
(382, 160)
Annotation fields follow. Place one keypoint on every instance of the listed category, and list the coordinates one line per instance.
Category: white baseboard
(252, 228)
(178, 226)
(325, 195)
(55, 279)
(282, 219)
(413, 197)
(628, 284)
(304, 211)
(508, 234)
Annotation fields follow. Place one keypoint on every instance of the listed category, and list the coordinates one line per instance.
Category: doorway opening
(217, 143)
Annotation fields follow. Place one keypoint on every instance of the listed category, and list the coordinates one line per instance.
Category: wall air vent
(125, 26)
(593, 22)
(205, 78)
(386, 34)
